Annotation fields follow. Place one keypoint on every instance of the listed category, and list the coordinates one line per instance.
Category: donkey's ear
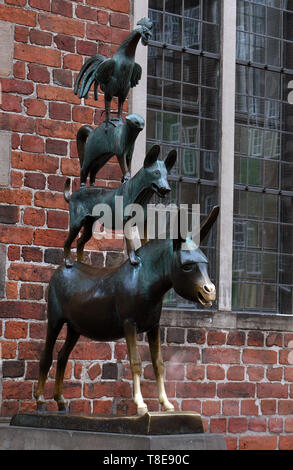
(170, 160)
(177, 237)
(209, 222)
(152, 156)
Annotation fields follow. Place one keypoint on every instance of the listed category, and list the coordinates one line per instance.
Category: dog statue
(150, 179)
(96, 147)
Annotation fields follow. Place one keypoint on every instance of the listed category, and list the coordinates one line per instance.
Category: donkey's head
(156, 171)
(189, 267)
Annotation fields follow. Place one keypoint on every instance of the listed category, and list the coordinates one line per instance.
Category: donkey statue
(106, 304)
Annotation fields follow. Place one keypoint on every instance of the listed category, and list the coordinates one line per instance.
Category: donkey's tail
(81, 139)
(66, 190)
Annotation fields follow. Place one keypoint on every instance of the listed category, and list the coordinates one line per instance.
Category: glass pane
(210, 11)
(173, 6)
(191, 37)
(256, 111)
(171, 126)
(286, 271)
(172, 65)
(172, 94)
(253, 235)
(173, 30)
(271, 207)
(190, 162)
(241, 140)
(242, 79)
(288, 26)
(287, 176)
(269, 298)
(287, 145)
(271, 174)
(286, 210)
(256, 142)
(238, 296)
(190, 131)
(188, 193)
(286, 234)
(273, 52)
(192, 8)
(272, 145)
(270, 236)
(240, 170)
(257, 19)
(154, 125)
(190, 103)
(157, 31)
(156, 4)
(257, 49)
(288, 55)
(255, 172)
(288, 118)
(253, 296)
(257, 82)
(190, 68)
(209, 165)
(254, 202)
(270, 264)
(209, 72)
(274, 23)
(154, 87)
(210, 38)
(242, 15)
(242, 46)
(208, 135)
(208, 199)
(273, 84)
(209, 103)
(286, 299)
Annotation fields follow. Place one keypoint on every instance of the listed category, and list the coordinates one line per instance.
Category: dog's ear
(152, 156)
(170, 160)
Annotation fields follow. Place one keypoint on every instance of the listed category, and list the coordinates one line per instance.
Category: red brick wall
(240, 381)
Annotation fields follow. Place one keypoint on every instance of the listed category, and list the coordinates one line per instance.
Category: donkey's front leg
(157, 360)
(135, 365)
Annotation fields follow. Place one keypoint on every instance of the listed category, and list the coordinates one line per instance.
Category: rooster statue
(115, 75)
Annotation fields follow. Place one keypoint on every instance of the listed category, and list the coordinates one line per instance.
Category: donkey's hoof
(41, 405)
(62, 406)
(169, 407)
(142, 410)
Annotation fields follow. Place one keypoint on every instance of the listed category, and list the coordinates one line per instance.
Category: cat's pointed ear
(170, 160)
(152, 156)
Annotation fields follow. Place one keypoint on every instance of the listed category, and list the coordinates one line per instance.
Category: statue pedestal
(153, 431)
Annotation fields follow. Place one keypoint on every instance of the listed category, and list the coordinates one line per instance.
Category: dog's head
(156, 171)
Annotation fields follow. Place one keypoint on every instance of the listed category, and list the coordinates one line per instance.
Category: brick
(285, 407)
(175, 372)
(230, 407)
(24, 310)
(41, 4)
(35, 180)
(15, 330)
(289, 375)
(30, 350)
(236, 338)
(103, 18)
(13, 369)
(235, 373)
(196, 336)
(17, 123)
(119, 20)
(249, 407)
(221, 355)
(257, 424)
(211, 408)
(50, 200)
(65, 43)
(255, 338)
(122, 6)
(30, 253)
(196, 390)
(29, 272)
(17, 15)
(56, 147)
(70, 167)
(216, 338)
(72, 62)
(37, 73)
(286, 443)
(53, 238)
(16, 86)
(21, 34)
(60, 111)
(11, 103)
(32, 143)
(98, 32)
(275, 373)
(195, 372)
(109, 371)
(276, 425)
(237, 425)
(259, 356)
(11, 290)
(19, 70)
(102, 407)
(16, 2)
(118, 36)
(235, 389)
(8, 349)
(56, 183)
(15, 234)
(57, 219)
(36, 54)
(9, 214)
(258, 443)
(35, 107)
(218, 425)
(91, 350)
(62, 77)
(53, 256)
(82, 114)
(175, 335)
(180, 354)
(62, 8)
(16, 179)
(80, 406)
(272, 390)
(13, 253)
(289, 425)
(274, 339)
(268, 407)
(94, 371)
(31, 291)
(215, 372)
(40, 37)
(17, 390)
(255, 373)
(107, 389)
(86, 13)
(35, 217)
(86, 48)
(61, 25)
(51, 128)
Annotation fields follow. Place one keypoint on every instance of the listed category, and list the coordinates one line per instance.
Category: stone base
(29, 438)
(148, 424)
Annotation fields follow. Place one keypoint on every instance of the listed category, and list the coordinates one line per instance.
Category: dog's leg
(73, 232)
